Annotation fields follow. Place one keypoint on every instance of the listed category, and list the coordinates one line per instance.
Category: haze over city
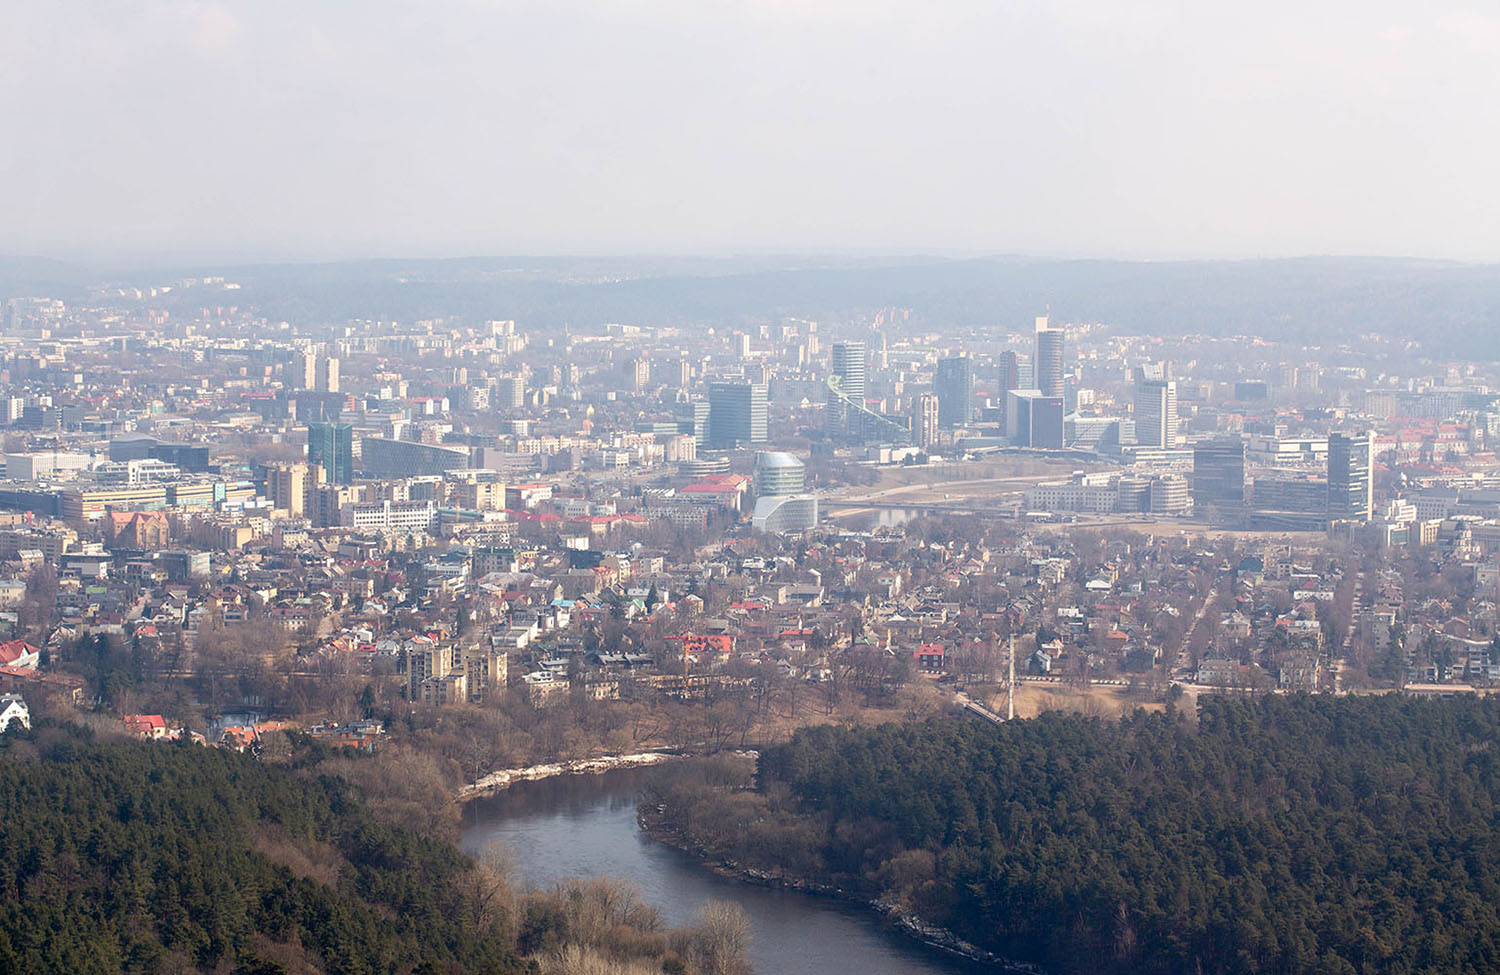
(214, 131)
(651, 487)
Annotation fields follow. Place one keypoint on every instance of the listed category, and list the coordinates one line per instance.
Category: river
(585, 826)
(869, 519)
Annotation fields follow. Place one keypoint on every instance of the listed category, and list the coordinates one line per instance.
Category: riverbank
(586, 826)
(505, 778)
(653, 825)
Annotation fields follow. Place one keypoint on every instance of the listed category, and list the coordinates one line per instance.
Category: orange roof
(15, 649)
(694, 643)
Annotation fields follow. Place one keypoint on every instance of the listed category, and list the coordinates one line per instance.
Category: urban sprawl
(266, 525)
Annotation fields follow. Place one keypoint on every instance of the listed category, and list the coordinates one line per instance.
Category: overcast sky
(305, 129)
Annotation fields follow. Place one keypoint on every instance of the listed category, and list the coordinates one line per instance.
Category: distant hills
(1451, 309)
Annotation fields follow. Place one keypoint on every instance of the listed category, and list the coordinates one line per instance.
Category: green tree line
(1282, 835)
(166, 858)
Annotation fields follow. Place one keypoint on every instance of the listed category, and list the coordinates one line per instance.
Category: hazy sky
(1131, 128)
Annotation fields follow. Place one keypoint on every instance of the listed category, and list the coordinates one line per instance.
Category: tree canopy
(1287, 834)
(134, 857)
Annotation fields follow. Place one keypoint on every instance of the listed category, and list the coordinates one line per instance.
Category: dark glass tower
(1219, 473)
(954, 385)
(737, 414)
(331, 447)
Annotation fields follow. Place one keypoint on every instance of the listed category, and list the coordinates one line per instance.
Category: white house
(13, 708)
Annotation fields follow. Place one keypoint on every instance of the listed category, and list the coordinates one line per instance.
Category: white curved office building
(778, 474)
(779, 515)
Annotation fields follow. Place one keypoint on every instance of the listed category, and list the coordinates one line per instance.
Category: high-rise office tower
(302, 370)
(848, 372)
(1007, 378)
(849, 366)
(331, 447)
(1351, 487)
(924, 420)
(1219, 473)
(328, 374)
(1034, 420)
(1007, 373)
(1155, 406)
(1049, 358)
(1025, 372)
(954, 385)
(737, 414)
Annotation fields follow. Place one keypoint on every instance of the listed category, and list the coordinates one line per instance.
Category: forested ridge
(133, 857)
(1450, 308)
(1287, 834)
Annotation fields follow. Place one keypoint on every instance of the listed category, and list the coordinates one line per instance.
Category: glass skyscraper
(331, 447)
(1351, 462)
(1219, 473)
(954, 385)
(849, 366)
(737, 414)
(1155, 407)
(1049, 359)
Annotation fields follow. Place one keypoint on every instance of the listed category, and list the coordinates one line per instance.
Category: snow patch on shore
(505, 778)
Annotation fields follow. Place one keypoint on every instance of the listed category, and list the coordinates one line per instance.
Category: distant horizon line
(171, 261)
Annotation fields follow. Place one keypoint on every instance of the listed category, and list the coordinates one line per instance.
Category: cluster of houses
(244, 732)
(465, 619)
